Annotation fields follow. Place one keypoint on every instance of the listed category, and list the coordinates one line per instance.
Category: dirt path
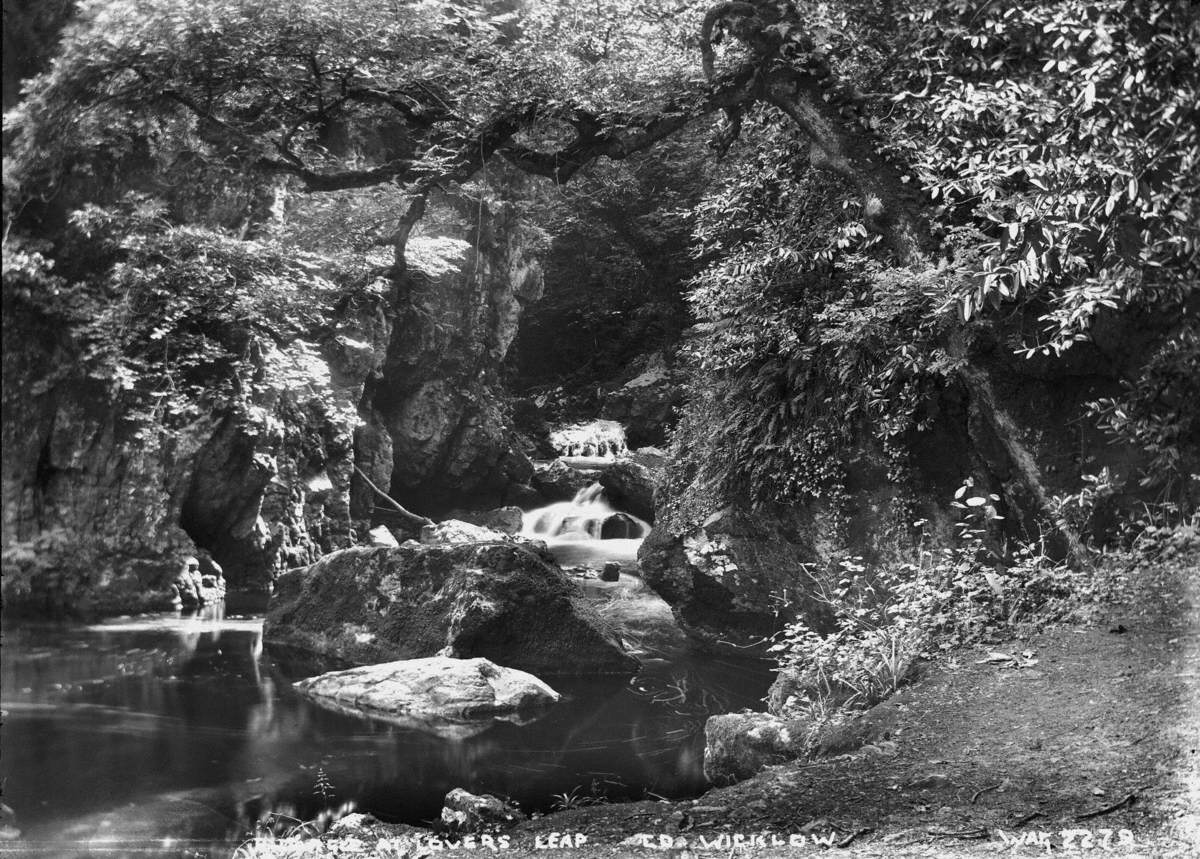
(978, 758)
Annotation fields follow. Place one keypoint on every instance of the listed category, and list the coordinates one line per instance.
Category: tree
(1002, 159)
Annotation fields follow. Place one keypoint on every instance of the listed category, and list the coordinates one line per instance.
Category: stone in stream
(439, 686)
(611, 572)
(504, 519)
(194, 589)
(630, 485)
(467, 812)
(557, 481)
(505, 601)
(620, 526)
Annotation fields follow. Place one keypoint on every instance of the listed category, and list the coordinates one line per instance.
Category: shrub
(889, 616)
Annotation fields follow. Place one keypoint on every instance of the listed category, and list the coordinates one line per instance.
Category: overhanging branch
(624, 139)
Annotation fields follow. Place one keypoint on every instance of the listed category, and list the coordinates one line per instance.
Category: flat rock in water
(439, 686)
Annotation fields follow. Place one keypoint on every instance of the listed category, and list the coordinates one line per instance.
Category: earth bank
(1096, 735)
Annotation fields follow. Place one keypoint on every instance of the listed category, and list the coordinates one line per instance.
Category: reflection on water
(169, 726)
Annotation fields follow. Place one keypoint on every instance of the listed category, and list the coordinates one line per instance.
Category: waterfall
(586, 528)
(600, 440)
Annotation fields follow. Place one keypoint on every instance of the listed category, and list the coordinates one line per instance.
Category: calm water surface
(183, 727)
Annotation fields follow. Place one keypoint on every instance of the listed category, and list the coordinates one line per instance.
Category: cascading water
(586, 529)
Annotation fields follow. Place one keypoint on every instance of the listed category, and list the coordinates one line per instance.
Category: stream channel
(182, 727)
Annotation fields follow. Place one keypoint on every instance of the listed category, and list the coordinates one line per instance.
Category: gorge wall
(437, 403)
(102, 501)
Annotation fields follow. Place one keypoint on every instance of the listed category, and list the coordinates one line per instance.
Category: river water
(180, 727)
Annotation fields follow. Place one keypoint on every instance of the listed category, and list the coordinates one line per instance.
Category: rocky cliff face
(102, 500)
(101, 504)
(437, 402)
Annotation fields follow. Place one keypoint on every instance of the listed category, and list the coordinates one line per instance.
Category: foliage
(811, 337)
(579, 797)
(312, 89)
(169, 315)
(1054, 146)
(1067, 133)
(891, 616)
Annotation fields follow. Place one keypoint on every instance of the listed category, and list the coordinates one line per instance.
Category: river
(183, 728)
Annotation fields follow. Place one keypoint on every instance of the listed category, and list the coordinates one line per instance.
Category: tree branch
(888, 206)
(731, 91)
(412, 517)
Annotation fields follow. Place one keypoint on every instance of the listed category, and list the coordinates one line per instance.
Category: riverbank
(1087, 739)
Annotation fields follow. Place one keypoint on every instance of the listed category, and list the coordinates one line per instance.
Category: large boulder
(453, 531)
(629, 485)
(646, 404)
(740, 575)
(439, 396)
(508, 602)
(557, 481)
(439, 686)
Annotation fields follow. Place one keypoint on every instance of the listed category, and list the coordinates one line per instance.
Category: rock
(381, 536)
(523, 496)
(466, 812)
(620, 526)
(193, 589)
(739, 745)
(650, 457)
(453, 531)
(557, 481)
(724, 578)
(932, 781)
(440, 394)
(508, 602)
(438, 686)
(611, 572)
(504, 519)
(876, 725)
(209, 567)
(646, 404)
(629, 485)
